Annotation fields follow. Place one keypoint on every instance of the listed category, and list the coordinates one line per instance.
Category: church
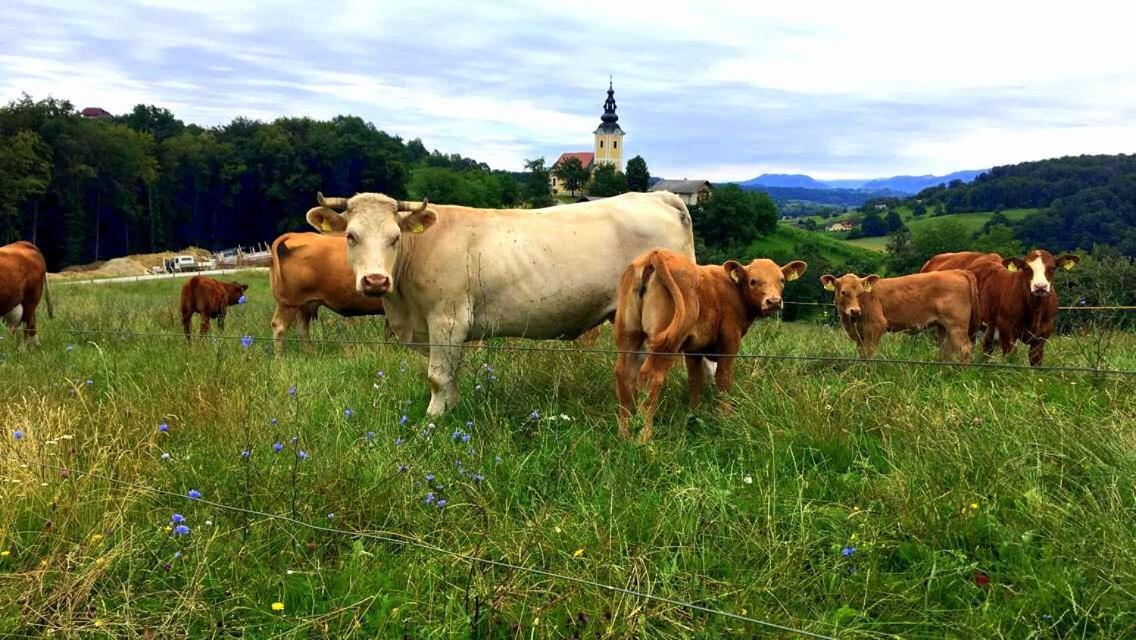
(607, 141)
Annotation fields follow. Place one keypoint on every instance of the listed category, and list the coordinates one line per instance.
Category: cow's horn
(331, 203)
(403, 205)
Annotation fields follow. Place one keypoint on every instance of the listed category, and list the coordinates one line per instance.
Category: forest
(1086, 200)
(86, 189)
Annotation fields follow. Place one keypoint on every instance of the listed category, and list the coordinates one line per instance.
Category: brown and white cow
(451, 274)
(670, 305)
(1018, 295)
(869, 307)
(309, 271)
(23, 281)
(211, 298)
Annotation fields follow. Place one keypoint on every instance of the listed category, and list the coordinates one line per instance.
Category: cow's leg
(988, 340)
(1008, 339)
(960, 341)
(944, 343)
(626, 377)
(307, 314)
(29, 320)
(282, 319)
(186, 323)
(655, 371)
(221, 318)
(204, 323)
(696, 378)
(1037, 351)
(447, 335)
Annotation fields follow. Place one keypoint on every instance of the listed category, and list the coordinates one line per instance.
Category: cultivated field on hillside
(971, 221)
(851, 500)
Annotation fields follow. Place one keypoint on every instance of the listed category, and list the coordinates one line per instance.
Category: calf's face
(849, 289)
(373, 225)
(762, 282)
(1040, 266)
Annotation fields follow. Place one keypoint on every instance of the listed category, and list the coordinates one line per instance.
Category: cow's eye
(352, 238)
(394, 241)
(752, 282)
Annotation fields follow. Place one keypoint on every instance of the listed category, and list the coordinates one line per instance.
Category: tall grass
(852, 500)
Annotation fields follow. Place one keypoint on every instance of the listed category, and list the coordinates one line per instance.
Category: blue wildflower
(90, 382)
(243, 299)
(181, 530)
(370, 435)
(17, 434)
(497, 460)
(469, 424)
(442, 504)
(245, 454)
(429, 498)
(278, 446)
(457, 463)
(477, 477)
(292, 391)
(380, 375)
(273, 421)
(177, 518)
(164, 428)
(535, 415)
(246, 341)
(70, 348)
(303, 455)
(331, 516)
(465, 438)
(403, 468)
(194, 494)
(348, 413)
(848, 551)
(397, 441)
(457, 434)
(165, 456)
(429, 477)
(177, 555)
(403, 420)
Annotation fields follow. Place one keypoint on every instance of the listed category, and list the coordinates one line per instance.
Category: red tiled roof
(94, 112)
(586, 157)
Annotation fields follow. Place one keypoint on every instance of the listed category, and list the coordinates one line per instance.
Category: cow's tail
(47, 298)
(275, 273)
(975, 310)
(670, 339)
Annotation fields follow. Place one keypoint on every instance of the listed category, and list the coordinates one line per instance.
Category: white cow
(450, 274)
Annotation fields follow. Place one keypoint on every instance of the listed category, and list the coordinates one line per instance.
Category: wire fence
(1007, 366)
(410, 541)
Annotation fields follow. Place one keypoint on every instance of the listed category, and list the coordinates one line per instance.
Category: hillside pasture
(973, 223)
(848, 499)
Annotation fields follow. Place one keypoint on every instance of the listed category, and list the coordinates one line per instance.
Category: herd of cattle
(446, 275)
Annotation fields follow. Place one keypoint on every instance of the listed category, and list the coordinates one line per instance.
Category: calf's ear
(735, 270)
(829, 282)
(1068, 261)
(1014, 264)
(327, 221)
(870, 282)
(794, 270)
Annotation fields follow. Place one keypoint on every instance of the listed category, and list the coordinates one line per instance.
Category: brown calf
(869, 307)
(1018, 296)
(23, 280)
(211, 298)
(310, 270)
(669, 304)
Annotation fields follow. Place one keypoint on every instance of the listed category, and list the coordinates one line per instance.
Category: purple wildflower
(17, 434)
(348, 413)
(181, 530)
(245, 453)
(177, 518)
(429, 477)
(246, 342)
(243, 299)
(165, 456)
(465, 438)
(429, 498)
(848, 551)
(194, 494)
(403, 420)
(278, 446)
(292, 391)
(477, 477)
(535, 415)
(303, 455)
(164, 428)
(398, 441)
(442, 504)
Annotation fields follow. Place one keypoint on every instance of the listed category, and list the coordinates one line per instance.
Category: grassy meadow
(851, 500)
(971, 221)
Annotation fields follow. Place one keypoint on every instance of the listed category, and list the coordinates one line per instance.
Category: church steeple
(609, 116)
(609, 136)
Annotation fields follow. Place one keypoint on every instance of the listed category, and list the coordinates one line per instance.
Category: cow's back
(22, 274)
(313, 268)
(921, 299)
(982, 265)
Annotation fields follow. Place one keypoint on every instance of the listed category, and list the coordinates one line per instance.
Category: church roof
(585, 157)
(680, 186)
(609, 120)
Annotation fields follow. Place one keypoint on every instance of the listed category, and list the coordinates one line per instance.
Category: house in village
(692, 192)
(840, 226)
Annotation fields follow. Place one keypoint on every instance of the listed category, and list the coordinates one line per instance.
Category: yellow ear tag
(418, 228)
(828, 286)
(325, 226)
(1068, 265)
(1011, 267)
(867, 288)
(793, 275)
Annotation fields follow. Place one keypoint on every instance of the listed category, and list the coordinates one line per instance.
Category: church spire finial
(609, 116)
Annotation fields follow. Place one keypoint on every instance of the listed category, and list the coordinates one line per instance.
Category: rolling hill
(907, 185)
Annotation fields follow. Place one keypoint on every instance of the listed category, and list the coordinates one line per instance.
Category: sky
(713, 90)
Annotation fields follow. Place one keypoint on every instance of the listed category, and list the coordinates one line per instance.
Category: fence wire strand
(406, 540)
(612, 352)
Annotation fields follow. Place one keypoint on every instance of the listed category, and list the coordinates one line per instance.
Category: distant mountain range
(902, 184)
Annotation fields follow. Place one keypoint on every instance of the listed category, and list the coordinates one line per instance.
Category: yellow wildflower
(577, 553)
(973, 506)
(99, 623)
(277, 606)
(5, 553)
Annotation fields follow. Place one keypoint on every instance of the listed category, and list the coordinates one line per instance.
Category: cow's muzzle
(1040, 289)
(374, 284)
(774, 303)
(852, 312)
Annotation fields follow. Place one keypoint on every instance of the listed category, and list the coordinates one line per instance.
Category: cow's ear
(870, 282)
(735, 270)
(794, 270)
(327, 221)
(1014, 264)
(417, 220)
(1068, 261)
(244, 287)
(829, 282)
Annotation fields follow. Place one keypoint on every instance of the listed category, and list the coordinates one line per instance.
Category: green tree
(939, 236)
(872, 225)
(732, 217)
(538, 190)
(25, 173)
(638, 177)
(919, 210)
(999, 239)
(571, 173)
(893, 221)
(607, 181)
